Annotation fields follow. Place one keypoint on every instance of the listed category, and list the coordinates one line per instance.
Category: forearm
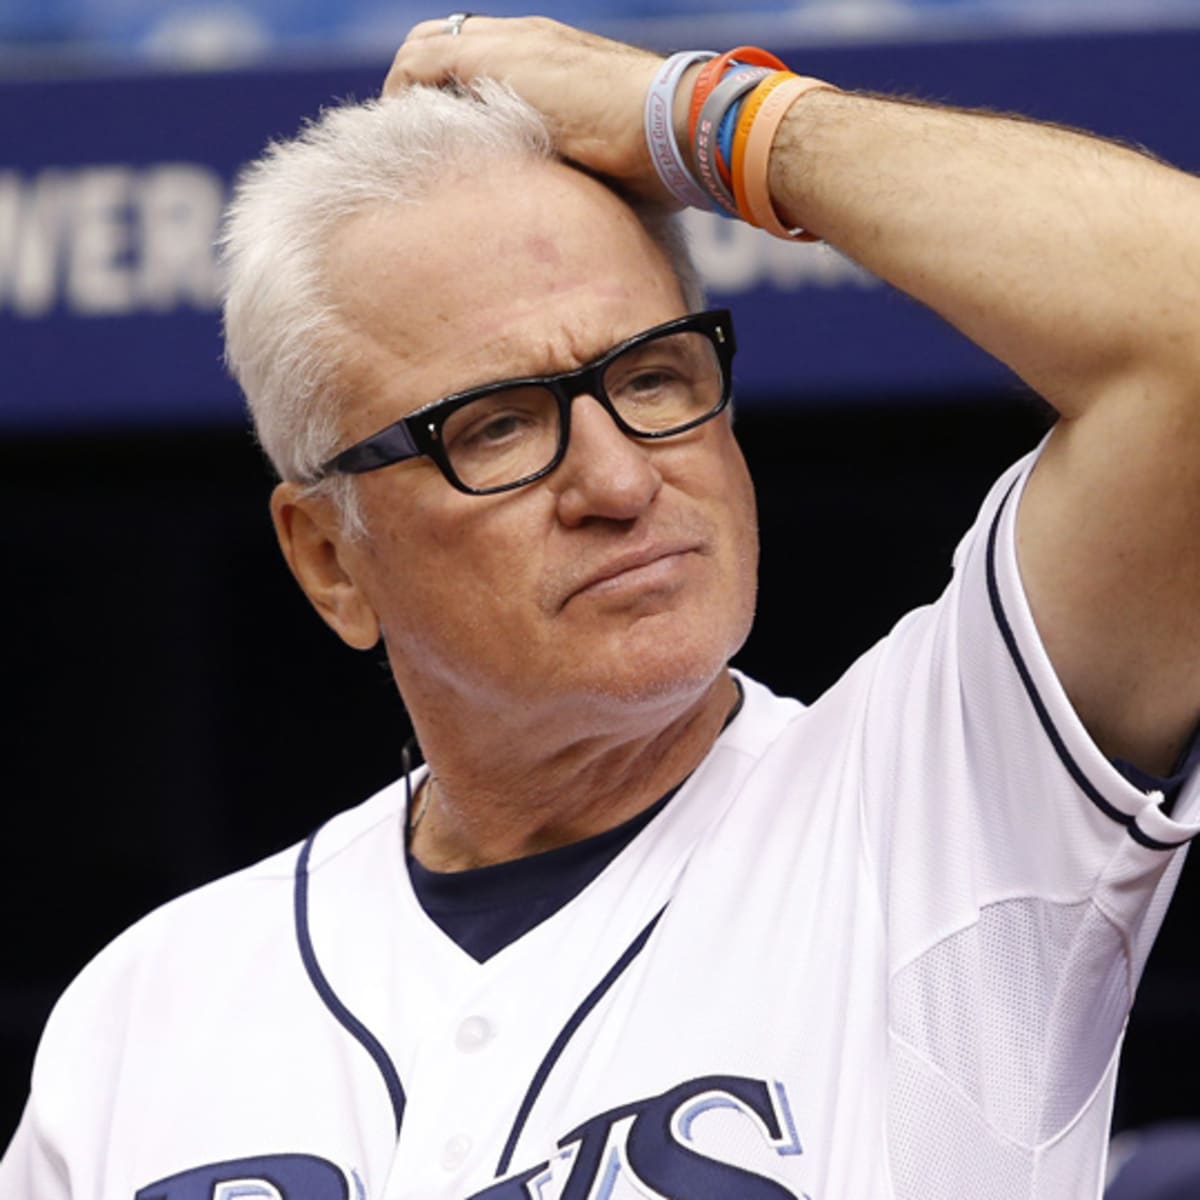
(1075, 261)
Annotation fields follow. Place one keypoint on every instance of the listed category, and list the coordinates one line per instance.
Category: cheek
(438, 559)
(736, 490)
(741, 522)
(746, 552)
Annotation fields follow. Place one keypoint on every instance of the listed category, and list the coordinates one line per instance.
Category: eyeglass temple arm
(393, 444)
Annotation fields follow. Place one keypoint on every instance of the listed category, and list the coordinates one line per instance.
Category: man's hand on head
(591, 89)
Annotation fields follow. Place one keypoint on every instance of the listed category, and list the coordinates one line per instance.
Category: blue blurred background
(219, 32)
(176, 710)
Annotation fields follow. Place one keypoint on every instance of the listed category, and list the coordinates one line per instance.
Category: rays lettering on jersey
(700, 1139)
(676, 1144)
(269, 1177)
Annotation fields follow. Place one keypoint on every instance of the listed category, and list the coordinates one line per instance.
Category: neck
(503, 797)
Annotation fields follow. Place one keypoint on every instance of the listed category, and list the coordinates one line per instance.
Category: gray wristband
(727, 93)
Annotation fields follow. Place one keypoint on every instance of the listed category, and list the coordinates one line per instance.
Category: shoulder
(898, 711)
(235, 934)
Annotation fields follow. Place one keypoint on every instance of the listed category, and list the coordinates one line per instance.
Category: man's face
(626, 575)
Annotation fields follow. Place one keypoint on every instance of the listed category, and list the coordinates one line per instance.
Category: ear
(316, 550)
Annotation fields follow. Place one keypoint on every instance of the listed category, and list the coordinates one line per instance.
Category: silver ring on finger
(455, 22)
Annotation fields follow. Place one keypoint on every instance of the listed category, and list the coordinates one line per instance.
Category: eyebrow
(548, 355)
(530, 375)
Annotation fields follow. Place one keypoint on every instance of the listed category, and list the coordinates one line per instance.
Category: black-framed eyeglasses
(504, 435)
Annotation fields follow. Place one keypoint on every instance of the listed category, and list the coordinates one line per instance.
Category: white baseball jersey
(880, 948)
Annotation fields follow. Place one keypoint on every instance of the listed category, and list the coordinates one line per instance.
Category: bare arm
(1069, 258)
(1075, 261)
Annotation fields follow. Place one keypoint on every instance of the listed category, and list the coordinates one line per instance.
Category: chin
(664, 667)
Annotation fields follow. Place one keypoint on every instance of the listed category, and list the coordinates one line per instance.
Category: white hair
(281, 332)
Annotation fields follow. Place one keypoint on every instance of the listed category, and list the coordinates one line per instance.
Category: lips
(627, 565)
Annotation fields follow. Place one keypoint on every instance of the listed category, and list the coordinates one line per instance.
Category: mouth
(652, 568)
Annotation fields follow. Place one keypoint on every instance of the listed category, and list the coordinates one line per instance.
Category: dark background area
(176, 711)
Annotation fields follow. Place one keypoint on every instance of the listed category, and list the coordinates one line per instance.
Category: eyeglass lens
(656, 387)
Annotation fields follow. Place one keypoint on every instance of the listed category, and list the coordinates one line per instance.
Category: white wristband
(660, 130)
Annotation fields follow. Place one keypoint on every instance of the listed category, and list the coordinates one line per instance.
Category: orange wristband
(707, 78)
(712, 73)
(756, 158)
(751, 107)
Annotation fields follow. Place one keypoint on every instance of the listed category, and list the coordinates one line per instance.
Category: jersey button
(473, 1034)
(455, 1151)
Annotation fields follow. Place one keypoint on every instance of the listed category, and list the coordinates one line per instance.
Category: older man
(641, 928)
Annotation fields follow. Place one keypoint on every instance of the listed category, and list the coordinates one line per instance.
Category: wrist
(788, 176)
(710, 123)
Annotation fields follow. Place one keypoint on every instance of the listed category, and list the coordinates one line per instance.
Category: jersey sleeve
(1022, 879)
(29, 1167)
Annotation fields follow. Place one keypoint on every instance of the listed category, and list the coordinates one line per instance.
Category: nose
(604, 473)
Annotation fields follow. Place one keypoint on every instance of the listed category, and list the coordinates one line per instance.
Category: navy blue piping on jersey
(1088, 788)
(566, 1034)
(348, 1020)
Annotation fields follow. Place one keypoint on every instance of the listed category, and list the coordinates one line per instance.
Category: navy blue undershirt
(486, 908)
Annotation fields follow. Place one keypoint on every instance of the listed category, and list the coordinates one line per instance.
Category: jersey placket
(470, 1076)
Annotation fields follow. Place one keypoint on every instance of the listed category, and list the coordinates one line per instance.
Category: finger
(439, 27)
(590, 89)
(431, 54)
(426, 29)
(424, 60)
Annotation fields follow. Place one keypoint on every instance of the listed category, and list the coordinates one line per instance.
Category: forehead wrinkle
(499, 341)
(555, 351)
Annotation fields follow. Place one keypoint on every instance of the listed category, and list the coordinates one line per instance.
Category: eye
(499, 421)
(649, 381)
(648, 384)
(494, 429)
(501, 426)
(649, 373)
